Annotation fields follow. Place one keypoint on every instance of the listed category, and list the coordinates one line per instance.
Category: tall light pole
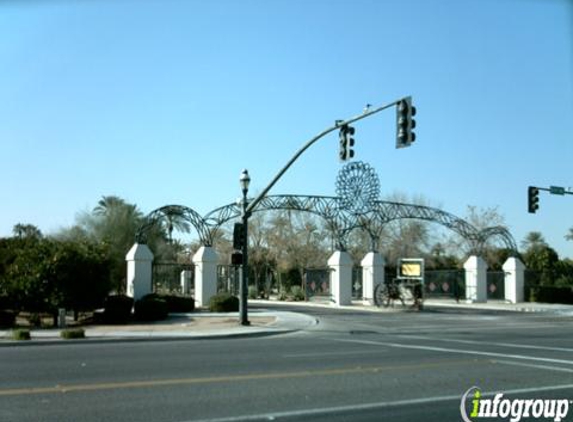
(244, 181)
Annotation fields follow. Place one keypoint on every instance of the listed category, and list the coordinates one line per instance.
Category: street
(352, 366)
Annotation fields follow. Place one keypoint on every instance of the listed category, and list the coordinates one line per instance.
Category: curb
(430, 306)
(499, 308)
(355, 307)
(141, 339)
(169, 336)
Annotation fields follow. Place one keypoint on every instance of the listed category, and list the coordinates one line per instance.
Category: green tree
(26, 231)
(48, 274)
(112, 224)
(533, 240)
(26, 278)
(175, 220)
(541, 258)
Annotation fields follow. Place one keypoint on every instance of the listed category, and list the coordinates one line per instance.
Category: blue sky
(165, 102)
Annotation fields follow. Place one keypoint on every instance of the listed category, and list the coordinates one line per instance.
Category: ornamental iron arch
(171, 215)
(357, 206)
(325, 207)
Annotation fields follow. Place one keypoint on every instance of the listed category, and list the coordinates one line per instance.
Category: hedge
(21, 334)
(151, 308)
(117, 309)
(224, 302)
(72, 333)
(551, 294)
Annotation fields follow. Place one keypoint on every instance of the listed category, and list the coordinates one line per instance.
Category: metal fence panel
(496, 285)
(445, 284)
(228, 279)
(357, 289)
(317, 283)
(167, 277)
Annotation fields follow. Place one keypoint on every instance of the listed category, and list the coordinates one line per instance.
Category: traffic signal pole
(249, 206)
(338, 124)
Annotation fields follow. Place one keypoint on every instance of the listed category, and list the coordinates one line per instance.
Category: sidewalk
(500, 305)
(197, 325)
(433, 304)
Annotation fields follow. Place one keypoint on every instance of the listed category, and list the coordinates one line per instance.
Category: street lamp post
(244, 181)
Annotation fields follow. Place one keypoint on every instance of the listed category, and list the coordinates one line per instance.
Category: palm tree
(175, 219)
(569, 236)
(108, 203)
(533, 240)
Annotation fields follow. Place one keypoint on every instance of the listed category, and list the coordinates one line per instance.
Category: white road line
(456, 351)
(324, 354)
(375, 406)
(470, 328)
(531, 365)
(517, 346)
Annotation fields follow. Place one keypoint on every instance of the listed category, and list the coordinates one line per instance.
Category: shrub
(550, 294)
(72, 333)
(21, 334)
(180, 304)
(7, 319)
(224, 302)
(283, 296)
(151, 308)
(117, 309)
(297, 293)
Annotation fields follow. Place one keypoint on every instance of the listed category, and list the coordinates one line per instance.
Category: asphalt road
(353, 366)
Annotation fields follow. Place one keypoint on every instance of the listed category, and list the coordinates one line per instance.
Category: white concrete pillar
(186, 277)
(514, 280)
(139, 271)
(205, 260)
(340, 264)
(476, 279)
(372, 275)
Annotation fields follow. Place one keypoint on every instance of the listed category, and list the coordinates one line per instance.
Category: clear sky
(165, 102)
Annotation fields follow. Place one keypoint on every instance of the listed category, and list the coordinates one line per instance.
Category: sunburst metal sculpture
(357, 187)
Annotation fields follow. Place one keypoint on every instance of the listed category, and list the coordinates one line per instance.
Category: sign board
(412, 268)
(556, 190)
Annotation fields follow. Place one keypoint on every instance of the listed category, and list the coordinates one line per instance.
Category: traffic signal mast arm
(555, 190)
(533, 195)
(338, 124)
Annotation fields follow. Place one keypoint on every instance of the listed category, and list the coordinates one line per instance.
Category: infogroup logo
(513, 410)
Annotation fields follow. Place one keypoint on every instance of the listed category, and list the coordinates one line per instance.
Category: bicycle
(407, 291)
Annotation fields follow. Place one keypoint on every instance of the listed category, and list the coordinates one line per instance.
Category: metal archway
(356, 206)
(385, 212)
(325, 207)
(172, 215)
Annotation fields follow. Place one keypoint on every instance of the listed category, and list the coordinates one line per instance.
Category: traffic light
(236, 258)
(346, 142)
(405, 123)
(238, 236)
(532, 199)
